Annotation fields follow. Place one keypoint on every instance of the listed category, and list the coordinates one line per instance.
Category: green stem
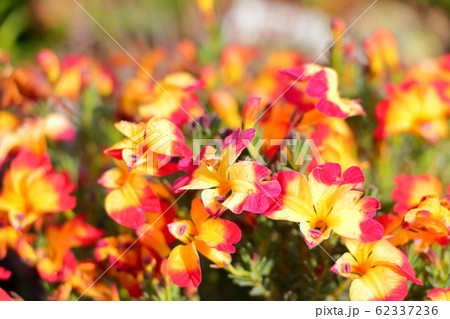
(255, 281)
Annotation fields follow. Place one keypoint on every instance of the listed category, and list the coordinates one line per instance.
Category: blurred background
(26, 26)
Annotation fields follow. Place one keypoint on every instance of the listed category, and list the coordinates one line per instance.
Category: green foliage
(252, 272)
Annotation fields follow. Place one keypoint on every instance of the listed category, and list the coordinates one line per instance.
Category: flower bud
(49, 62)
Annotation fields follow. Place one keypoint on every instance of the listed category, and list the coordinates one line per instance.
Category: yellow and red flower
(412, 107)
(429, 223)
(228, 185)
(212, 237)
(16, 240)
(426, 224)
(435, 72)
(379, 271)
(408, 194)
(277, 100)
(326, 201)
(57, 263)
(439, 294)
(316, 90)
(32, 189)
(174, 99)
(154, 234)
(57, 258)
(149, 145)
(410, 189)
(131, 257)
(130, 197)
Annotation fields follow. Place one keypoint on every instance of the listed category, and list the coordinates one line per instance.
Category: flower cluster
(256, 169)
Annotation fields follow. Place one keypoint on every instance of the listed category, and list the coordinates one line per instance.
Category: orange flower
(212, 237)
(112, 249)
(250, 112)
(276, 123)
(8, 121)
(69, 76)
(56, 258)
(226, 108)
(21, 87)
(82, 278)
(127, 261)
(283, 118)
(174, 99)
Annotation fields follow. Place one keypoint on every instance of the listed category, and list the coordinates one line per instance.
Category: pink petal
(353, 175)
(327, 173)
(371, 230)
